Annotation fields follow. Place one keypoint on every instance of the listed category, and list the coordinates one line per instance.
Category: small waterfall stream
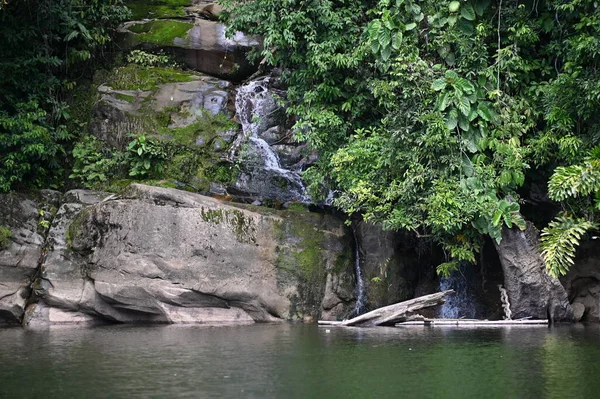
(255, 107)
(462, 304)
(360, 284)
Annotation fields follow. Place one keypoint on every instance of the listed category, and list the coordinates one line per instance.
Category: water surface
(300, 361)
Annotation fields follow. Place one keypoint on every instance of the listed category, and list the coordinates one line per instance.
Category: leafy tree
(429, 115)
(45, 45)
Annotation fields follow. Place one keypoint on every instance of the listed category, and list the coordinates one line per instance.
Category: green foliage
(45, 43)
(95, 164)
(576, 180)
(428, 115)
(5, 236)
(147, 157)
(559, 241)
(146, 59)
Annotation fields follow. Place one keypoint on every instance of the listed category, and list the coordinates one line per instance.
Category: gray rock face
(208, 50)
(120, 113)
(531, 291)
(204, 47)
(268, 171)
(19, 261)
(582, 282)
(157, 255)
(578, 310)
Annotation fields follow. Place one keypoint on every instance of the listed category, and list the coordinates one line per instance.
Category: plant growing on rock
(5, 236)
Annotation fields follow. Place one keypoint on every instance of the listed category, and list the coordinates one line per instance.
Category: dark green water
(300, 361)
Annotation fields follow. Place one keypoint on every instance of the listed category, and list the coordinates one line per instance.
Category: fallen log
(472, 323)
(392, 314)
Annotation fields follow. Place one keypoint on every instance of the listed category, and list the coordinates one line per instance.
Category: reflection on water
(300, 361)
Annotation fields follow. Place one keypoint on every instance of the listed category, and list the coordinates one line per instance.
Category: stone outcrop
(199, 39)
(118, 114)
(582, 282)
(531, 291)
(157, 255)
(26, 218)
(387, 265)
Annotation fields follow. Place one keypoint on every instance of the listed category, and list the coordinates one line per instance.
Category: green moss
(142, 9)
(5, 236)
(161, 32)
(76, 226)
(125, 97)
(242, 226)
(297, 207)
(300, 255)
(135, 77)
(208, 126)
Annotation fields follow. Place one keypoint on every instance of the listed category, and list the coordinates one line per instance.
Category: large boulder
(202, 44)
(167, 108)
(157, 255)
(531, 291)
(23, 219)
(582, 282)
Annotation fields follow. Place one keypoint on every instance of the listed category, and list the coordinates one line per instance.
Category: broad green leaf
(480, 6)
(452, 120)
(384, 37)
(397, 42)
(444, 101)
(467, 12)
(463, 123)
(439, 84)
(464, 105)
(484, 112)
(410, 26)
(497, 217)
(386, 52)
(453, 6)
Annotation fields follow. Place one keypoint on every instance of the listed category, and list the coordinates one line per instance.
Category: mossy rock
(135, 77)
(5, 237)
(143, 9)
(161, 32)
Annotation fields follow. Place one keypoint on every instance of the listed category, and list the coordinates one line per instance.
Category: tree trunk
(389, 315)
(531, 291)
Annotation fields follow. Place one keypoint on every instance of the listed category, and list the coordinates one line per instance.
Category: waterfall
(463, 302)
(360, 284)
(257, 111)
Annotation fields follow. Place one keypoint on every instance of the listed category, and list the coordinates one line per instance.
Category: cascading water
(360, 284)
(462, 304)
(255, 108)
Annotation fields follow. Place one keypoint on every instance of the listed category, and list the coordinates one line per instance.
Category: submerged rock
(531, 291)
(155, 255)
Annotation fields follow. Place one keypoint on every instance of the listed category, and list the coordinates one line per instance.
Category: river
(300, 361)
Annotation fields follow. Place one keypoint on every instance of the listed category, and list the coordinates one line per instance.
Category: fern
(575, 180)
(559, 241)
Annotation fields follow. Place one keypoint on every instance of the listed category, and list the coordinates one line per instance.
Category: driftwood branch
(389, 315)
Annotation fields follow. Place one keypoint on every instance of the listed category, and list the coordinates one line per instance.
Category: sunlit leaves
(559, 241)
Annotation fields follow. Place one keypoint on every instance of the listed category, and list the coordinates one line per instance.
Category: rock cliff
(156, 255)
